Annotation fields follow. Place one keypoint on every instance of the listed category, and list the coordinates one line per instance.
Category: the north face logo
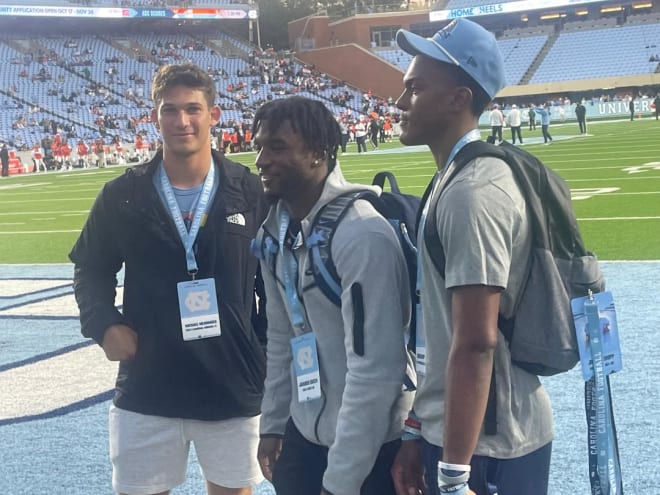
(236, 219)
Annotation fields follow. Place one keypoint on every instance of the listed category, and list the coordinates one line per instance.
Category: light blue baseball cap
(465, 44)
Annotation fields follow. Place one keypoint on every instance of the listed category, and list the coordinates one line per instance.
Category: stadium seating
(518, 52)
(85, 82)
(579, 54)
(82, 79)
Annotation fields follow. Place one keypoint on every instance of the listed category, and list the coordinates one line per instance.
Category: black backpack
(541, 335)
(400, 209)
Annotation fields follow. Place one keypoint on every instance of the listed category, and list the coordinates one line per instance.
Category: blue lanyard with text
(188, 237)
(290, 272)
(604, 459)
(469, 137)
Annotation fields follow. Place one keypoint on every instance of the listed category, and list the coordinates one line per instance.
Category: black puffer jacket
(208, 379)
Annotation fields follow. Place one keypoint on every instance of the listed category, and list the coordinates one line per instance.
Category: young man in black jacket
(191, 368)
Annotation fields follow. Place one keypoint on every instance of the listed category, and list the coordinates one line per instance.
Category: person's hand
(408, 470)
(120, 343)
(267, 454)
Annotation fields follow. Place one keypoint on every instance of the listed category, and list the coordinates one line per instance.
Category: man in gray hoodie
(334, 404)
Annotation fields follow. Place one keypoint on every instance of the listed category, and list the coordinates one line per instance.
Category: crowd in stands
(85, 90)
(90, 108)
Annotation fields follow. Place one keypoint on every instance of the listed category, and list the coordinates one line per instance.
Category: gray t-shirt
(484, 229)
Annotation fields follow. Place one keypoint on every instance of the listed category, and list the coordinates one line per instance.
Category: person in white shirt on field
(496, 118)
(38, 158)
(514, 120)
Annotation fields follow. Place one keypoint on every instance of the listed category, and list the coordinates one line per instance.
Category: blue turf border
(61, 411)
(46, 355)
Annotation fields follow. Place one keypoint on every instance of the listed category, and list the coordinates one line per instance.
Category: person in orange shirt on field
(83, 153)
(226, 140)
(142, 147)
(119, 154)
(99, 149)
(234, 142)
(65, 153)
(56, 150)
(387, 128)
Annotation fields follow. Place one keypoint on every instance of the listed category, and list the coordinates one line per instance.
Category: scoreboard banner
(503, 8)
(235, 11)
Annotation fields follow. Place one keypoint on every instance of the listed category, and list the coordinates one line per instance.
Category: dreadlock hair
(308, 118)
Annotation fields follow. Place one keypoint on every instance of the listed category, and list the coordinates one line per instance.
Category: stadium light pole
(254, 7)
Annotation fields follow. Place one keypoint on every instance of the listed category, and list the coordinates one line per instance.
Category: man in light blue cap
(450, 443)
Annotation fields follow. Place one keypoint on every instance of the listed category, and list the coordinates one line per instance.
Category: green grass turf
(618, 209)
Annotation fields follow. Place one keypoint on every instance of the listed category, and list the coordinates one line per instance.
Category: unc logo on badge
(198, 300)
(304, 358)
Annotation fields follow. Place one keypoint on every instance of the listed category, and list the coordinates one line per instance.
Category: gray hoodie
(362, 404)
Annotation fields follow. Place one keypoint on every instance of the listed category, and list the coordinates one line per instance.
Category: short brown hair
(188, 75)
(480, 98)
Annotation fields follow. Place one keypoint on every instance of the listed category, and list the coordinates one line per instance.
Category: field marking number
(589, 192)
(643, 168)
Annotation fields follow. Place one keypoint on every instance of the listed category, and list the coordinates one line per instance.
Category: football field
(613, 173)
(55, 385)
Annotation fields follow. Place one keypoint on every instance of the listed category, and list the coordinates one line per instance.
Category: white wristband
(452, 474)
(460, 489)
(454, 467)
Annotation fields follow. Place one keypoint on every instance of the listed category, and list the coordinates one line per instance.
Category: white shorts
(150, 453)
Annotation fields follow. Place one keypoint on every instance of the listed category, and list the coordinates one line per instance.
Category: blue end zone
(64, 450)
(24, 341)
(61, 411)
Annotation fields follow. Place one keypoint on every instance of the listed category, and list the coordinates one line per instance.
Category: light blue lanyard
(606, 458)
(188, 237)
(470, 136)
(290, 272)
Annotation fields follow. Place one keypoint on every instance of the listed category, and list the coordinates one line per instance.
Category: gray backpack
(541, 334)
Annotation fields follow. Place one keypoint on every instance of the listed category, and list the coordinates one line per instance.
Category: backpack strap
(265, 247)
(381, 177)
(468, 153)
(319, 242)
(436, 251)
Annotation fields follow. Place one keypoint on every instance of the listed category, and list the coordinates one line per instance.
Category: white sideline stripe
(12, 223)
(17, 185)
(614, 179)
(598, 219)
(64, 305)
(17, 287)
(48, 200)
(43, 386)
(637, 193)
(63, 212)
(40, 232)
